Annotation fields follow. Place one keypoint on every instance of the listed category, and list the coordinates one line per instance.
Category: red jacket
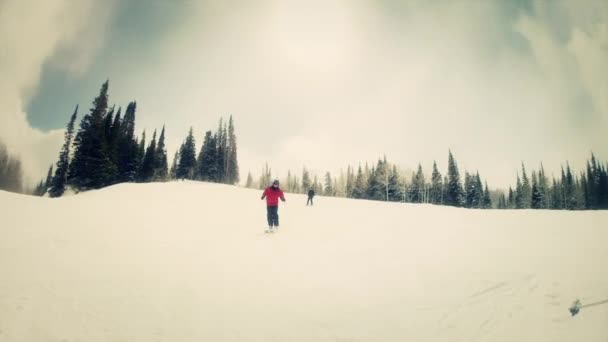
(272, 196)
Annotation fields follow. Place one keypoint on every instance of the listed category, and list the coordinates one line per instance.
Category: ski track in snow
(188, 261)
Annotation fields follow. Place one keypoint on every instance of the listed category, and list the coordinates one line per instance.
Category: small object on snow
(576, 307)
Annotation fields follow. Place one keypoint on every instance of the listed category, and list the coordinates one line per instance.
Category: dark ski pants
(309, 201)
(273, 216)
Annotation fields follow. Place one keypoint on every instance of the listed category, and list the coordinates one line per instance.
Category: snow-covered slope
(189, 261)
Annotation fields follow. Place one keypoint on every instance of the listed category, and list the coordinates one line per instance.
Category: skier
(311, 194)
(272, 195)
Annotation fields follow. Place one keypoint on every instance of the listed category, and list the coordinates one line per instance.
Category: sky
(319, 83)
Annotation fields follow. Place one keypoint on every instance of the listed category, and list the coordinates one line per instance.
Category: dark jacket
(311, 193)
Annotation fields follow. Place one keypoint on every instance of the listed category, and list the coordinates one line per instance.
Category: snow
(188, 261)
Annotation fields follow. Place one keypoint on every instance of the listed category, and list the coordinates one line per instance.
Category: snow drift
(188, 261)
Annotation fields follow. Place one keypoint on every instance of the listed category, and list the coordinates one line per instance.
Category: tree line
(587, 190)
(11, 173)
(384, 182)
(105, 151)
(216, 160)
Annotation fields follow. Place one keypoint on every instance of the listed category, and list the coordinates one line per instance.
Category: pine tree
(160, 159)
(128, 152)
(569, 190)
(418, 186)
(147, 169)
(478, 198)
(537, 197)
(502, 201)
(350, 182)
(519, 194)
(359, 186)
(139, 156)
(436, 185)
(511, 202)
(207, 163)
(454, 193)
(49, 179)
(602, 192)
(487, 200)
(543, 187)
(306, 184)
(526, 189)
(107, 124)
(468, 190)
(329, 187)
(186, 166)
(232, 162)
(374, 188)
(221, 142)
(318, 186)
(92, 167)
(57, 187)
(173, 172)
(266, 177)
(394, 188)
(556, 194)
(39, 190)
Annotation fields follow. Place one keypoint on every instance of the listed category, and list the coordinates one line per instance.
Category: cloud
(65, 34)
(328, 84)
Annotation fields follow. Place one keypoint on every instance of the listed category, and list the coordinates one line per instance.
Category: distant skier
(311, 194)
(272, 195)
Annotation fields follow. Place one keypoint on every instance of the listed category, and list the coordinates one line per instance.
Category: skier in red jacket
(272, 195)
